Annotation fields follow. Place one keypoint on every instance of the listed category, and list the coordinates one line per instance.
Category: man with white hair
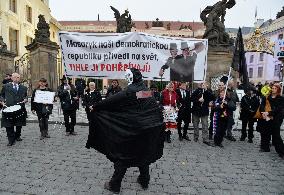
(91, 96)
(202, 98)
(13, 94)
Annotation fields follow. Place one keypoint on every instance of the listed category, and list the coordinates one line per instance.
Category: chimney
(98, 17)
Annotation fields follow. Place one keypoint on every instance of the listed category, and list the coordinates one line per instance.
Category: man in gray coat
(14, 93)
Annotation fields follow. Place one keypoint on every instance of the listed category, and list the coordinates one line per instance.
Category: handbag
(267, 108)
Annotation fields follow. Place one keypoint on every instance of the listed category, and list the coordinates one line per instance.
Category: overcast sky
(242, 14)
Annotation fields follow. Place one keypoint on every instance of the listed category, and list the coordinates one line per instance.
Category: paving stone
(62, 165)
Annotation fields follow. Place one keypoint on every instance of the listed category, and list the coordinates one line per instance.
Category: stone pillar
(43, 56)
(219, 62)
(6, 64)
(6, 60)
(43, 63)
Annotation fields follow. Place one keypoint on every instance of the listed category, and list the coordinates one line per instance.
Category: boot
(41, 135)
(169, 137)
(108, 187)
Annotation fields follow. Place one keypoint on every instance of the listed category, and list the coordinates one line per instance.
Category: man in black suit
(14, 93)
(184, 114)
(69, 99)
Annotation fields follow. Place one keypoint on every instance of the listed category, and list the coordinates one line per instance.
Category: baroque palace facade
(19, 18)
(261, 64)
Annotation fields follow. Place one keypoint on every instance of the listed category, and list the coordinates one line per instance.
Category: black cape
(128, 129)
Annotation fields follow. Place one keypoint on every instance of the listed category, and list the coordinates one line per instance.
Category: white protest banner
(279, 49)
(109, 55)
(45, 97)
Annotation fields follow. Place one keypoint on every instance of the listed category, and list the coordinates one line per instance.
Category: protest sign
(109, 55)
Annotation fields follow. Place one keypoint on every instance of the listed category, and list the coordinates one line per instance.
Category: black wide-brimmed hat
(137, 76)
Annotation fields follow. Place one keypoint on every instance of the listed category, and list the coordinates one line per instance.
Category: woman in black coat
(272, 121)
(42, 110)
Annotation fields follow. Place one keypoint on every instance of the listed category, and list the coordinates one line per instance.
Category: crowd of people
(149, 117)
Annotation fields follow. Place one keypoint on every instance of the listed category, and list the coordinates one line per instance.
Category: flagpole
(226, 88)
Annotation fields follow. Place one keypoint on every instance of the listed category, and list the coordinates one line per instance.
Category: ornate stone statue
(157, 23)
(124, 21)
(42, 33)
(214, 18)
(258, 43)
(3, 46)
(280, 14)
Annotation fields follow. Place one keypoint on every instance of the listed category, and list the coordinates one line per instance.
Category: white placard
(240, 93)
(45, 97)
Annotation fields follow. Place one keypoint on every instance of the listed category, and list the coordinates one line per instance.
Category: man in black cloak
(128, 128)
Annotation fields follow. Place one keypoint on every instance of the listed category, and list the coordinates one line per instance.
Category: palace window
(259, 72)
(13, 40)
(277, 70)
(251, 59)
(29, 14)
(13, 5)
(261, 55)
(280, 36)
(250, 72)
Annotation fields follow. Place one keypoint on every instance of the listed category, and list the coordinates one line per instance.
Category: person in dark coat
(128, 129)
(202, 98)
(91, 97)
(221, 87)
(221, 108)
(14, 93)
(7, 79)
(234, 98)
(249, 105)
(272, 121)
(80, 85)
(156, 94)
(42, 110)
(113, 89)
(69, 103)
(184, 112)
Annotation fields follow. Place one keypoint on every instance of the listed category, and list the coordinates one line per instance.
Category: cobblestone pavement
(62, 165)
